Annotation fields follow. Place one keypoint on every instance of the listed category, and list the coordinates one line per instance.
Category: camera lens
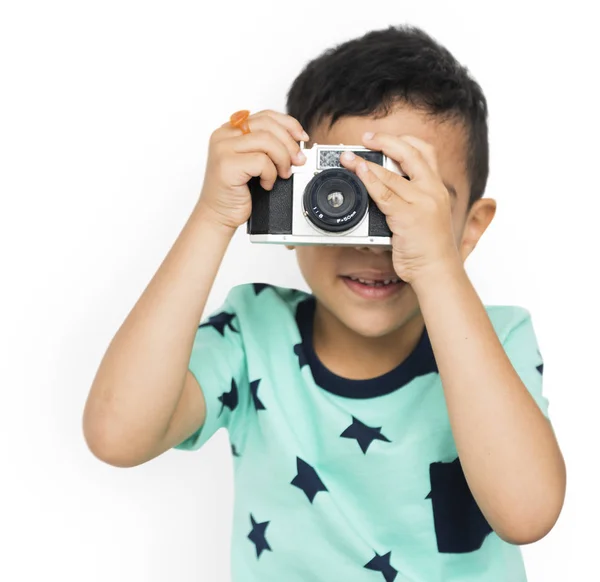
(335, 200)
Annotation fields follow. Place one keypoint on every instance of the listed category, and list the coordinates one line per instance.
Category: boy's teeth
(373, 283)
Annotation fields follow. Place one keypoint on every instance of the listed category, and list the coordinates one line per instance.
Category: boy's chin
(374, 325)
(370, 319)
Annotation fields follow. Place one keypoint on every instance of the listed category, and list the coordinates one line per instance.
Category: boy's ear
(478, 219)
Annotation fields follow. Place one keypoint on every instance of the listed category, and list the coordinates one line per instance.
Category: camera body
(321, 203)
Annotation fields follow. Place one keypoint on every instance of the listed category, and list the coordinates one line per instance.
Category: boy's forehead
(447, 137)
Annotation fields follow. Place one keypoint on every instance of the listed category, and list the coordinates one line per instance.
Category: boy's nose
(376, 250)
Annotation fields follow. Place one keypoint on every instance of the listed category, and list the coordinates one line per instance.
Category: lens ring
(348, 214)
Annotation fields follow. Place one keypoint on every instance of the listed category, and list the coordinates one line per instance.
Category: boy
(387, 426)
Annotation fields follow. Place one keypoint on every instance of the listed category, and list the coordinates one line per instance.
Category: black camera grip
(271, 210)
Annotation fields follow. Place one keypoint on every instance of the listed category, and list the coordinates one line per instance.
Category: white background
(106, 109)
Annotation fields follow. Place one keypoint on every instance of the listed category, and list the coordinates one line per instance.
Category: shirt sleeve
(522, 349)
(218, 362)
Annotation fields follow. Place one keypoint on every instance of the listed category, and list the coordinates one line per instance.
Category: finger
(427, 150)
(386, 199)
(428, 153)
(268, 173)
(258, 164)
(394, 182)
(264, 141)
(292, 125)
(268, 123)
(409, 157)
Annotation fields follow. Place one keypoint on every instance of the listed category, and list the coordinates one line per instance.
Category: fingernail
(368, 136)
(305, 136)
(348, 156)
(300, 157)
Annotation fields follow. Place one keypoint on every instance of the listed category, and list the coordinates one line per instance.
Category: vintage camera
(321, 203)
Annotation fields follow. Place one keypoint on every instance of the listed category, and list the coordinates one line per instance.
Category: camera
(321, 203)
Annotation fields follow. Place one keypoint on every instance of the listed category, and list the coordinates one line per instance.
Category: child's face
(324, 267)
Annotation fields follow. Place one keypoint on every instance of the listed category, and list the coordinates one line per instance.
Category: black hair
(403, 64)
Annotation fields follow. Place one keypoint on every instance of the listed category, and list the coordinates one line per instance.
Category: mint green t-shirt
(344, 480)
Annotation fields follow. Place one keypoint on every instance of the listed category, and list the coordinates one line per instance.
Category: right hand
(268, 151)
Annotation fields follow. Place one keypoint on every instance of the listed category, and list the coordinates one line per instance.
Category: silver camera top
(324, 157)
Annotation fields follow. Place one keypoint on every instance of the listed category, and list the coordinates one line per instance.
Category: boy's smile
(362, 305)
(371, 284)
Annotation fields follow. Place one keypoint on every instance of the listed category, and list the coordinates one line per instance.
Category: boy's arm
(143, 397)
(507, 447)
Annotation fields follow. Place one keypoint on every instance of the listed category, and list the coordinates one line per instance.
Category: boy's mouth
(374, 287)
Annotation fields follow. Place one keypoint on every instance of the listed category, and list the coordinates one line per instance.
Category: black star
(540, 368)
(363, 434)
(258, 287)
(299, 351)
(234, 451)
(254, 389)
(382, 564)
(220, 322)
(229, 399)
(257, 536)
(308, 480)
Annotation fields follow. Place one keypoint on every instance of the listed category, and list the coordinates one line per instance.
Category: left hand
(418, 211)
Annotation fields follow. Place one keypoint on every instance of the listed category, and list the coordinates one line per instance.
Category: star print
(254, 390)
(220, 322)
(299, 351)
(363, 434)
(308, 480)
(540, 369)
(257, 536)
(382, 564)
(229, 399)
(234, 451)
(259, 287)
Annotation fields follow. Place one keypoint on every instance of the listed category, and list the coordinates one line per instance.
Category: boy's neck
(350, 355)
